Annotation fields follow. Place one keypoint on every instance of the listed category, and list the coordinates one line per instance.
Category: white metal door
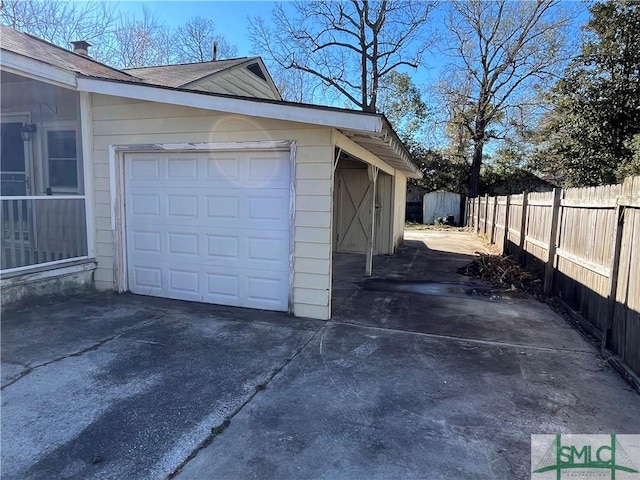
(210, 227)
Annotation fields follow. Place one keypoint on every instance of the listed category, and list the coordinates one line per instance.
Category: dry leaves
(502, 271)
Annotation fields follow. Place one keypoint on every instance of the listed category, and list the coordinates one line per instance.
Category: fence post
(478, 216)
(493, 219)
(486, 212)
(553, 236)
(523, 227)
(613, 276)
(505, 239)
(627, 191)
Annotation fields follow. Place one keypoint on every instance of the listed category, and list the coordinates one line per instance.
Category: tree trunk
(474, 174)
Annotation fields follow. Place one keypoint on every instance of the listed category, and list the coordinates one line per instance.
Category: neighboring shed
(441, 204)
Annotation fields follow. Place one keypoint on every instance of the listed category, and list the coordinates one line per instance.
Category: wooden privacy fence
(586, 243)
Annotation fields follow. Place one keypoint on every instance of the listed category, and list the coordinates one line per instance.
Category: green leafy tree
(402, 103)
(441, 172)
(590, 137)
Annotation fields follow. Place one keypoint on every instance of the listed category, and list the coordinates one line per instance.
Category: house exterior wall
(399, 208)
(121, 121)
(238, 81)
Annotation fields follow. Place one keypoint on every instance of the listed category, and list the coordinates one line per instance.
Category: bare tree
(62, 22)
(503, 53)
(195, 40)
(140, 42)
(349, 46)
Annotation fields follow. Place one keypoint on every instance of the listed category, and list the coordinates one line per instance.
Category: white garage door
(209, 227)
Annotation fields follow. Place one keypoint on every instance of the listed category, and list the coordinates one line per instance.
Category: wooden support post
(478, 216)
(492, 237)
(523, 227)
(335, 162)
(614, 268)
(505, 239)
(373, 180)
(553, 242)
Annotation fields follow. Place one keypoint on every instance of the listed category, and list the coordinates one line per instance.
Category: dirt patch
(437, 228)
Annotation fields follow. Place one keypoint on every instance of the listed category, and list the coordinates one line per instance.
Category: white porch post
(373, 180)
(86, 132)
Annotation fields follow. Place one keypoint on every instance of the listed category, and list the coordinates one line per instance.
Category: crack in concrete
(217, 430)
(492, 343)
(95, 346)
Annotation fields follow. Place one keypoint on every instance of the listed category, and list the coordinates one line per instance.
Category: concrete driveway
(410, 379)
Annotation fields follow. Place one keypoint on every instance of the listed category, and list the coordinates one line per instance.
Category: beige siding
(119, 121)
(399, 208)
(238, 81)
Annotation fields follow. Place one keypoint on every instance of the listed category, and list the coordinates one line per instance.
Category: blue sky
(230, 17)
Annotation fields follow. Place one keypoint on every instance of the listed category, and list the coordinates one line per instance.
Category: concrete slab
(397, 385)
(368, 403)
(130, 386)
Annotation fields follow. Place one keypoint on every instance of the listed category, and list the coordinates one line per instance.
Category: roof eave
(21, 65)
(387, 147)
(234, 104)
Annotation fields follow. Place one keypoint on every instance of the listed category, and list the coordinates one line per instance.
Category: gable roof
(182, 74)
(217, 76)
(43, 51)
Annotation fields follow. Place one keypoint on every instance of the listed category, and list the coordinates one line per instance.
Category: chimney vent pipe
(215, 51)
(81, 47)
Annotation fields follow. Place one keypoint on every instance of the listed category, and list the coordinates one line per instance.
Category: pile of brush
(502, 271)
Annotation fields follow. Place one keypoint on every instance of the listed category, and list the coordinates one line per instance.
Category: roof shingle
(183, 74)
(43, 51)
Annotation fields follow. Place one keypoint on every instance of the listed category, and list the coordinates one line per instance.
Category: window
(62, 160)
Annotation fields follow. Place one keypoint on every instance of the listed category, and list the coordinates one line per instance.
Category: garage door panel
(265, 291)
(209, 227)
(146, 277)
(223, 206)
(268, 210)
(146, 204)
(144, 241)
(225, 287)
(267, 172)
(182, 168)
(222, 170)
(144, 167)
(181, 280)
(183, 243)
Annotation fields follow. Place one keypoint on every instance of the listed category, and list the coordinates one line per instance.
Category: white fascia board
(341, 141)
(28, 67)
(254, 108)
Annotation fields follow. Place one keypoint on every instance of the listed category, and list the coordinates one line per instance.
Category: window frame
(61, 127)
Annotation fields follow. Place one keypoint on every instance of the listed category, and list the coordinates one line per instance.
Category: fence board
(573, 235)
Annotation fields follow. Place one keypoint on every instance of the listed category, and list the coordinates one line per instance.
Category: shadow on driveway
(397, 385)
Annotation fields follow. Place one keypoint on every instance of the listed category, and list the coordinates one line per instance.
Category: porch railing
(42, 229)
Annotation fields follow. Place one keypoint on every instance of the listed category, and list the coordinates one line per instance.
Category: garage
(209, 226)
